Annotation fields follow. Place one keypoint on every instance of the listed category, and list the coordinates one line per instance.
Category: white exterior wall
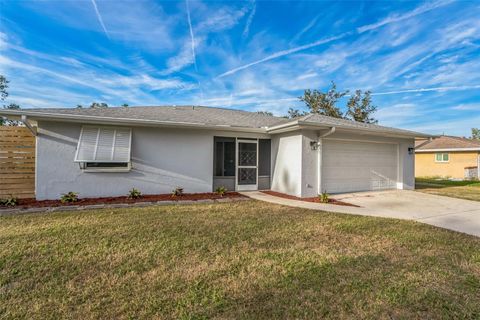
(295, 166)
(287, 163)
(162, 159)
(407, 165)
(309, 165)
(165, 158)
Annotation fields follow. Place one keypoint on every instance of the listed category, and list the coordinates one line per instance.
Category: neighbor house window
(104, 149)
(441, 157)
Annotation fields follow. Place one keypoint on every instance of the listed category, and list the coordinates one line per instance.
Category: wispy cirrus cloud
(419, 90)
(467, 107)
(246, 30)
(309, 26)
(100, 84)
(192, 36)
(360, 30)
(209, 22)
(100, 19)
(283, 53)
(429, 6)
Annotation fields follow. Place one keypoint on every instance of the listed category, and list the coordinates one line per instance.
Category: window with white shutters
(106, 148)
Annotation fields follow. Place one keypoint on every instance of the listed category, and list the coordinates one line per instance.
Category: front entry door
(247, 165)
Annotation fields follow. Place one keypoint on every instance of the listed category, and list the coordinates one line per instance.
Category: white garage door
(358, 166)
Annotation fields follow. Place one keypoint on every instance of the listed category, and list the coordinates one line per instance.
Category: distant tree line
(98, 105)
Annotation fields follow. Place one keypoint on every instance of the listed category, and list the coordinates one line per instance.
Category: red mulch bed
(32, 203)
(312, 199)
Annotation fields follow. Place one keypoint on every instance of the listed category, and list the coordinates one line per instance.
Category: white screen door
(247, 165)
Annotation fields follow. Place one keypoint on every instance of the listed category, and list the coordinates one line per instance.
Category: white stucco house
(107, 152)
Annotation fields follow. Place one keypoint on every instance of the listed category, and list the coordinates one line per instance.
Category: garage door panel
(356, 172)
(358, 166)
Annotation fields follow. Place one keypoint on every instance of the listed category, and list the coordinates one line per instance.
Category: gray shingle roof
(348, 124)
(184, 114)
(201, 116)
(449, 142)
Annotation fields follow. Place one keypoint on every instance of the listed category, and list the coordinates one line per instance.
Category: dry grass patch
(233, 260)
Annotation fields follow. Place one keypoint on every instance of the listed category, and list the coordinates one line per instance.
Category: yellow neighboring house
(448, 157)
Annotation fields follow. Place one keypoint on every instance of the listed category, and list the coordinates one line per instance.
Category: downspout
(319, 158)
(28, 125)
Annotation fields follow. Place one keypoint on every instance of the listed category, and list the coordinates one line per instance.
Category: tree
(79, 106)
(360, 108)
(12, 106)
(5, 122)
(475, 133)
(3, 87)
(97, 105)
(295, 113)
(125, 105)
(265, 113)
(3, 95)
(324, 103)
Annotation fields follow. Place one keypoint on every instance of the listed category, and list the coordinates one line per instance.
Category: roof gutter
(295, 125)
(281, 127)
(298, 124)
(326, 134)
(124, 121)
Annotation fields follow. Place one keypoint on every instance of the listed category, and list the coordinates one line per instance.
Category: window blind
(104, 144)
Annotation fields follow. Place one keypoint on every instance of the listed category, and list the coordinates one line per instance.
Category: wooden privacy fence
(17, 162)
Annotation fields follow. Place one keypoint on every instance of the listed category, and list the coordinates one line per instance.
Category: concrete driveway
(450, 213)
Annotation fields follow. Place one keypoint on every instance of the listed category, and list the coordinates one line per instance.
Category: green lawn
(469, 190)
(246, 259)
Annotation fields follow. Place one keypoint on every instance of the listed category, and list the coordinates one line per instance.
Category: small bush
(221, 191)
(69, 197)
(324, 197)
(177, 192)
(134, 194)
(9, 202)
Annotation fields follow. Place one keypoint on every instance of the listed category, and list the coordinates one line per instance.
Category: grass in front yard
(469, 189)
(233, 260)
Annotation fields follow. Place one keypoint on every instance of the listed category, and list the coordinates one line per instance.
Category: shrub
(323, 197)
(69, 197)
(177, 192)
(134, 194)
(221, 191)
(10, 201)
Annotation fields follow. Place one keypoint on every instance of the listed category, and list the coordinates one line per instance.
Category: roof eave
(299, 125)
(123, 121)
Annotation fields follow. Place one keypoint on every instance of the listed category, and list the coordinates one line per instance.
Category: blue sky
(420, 59)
